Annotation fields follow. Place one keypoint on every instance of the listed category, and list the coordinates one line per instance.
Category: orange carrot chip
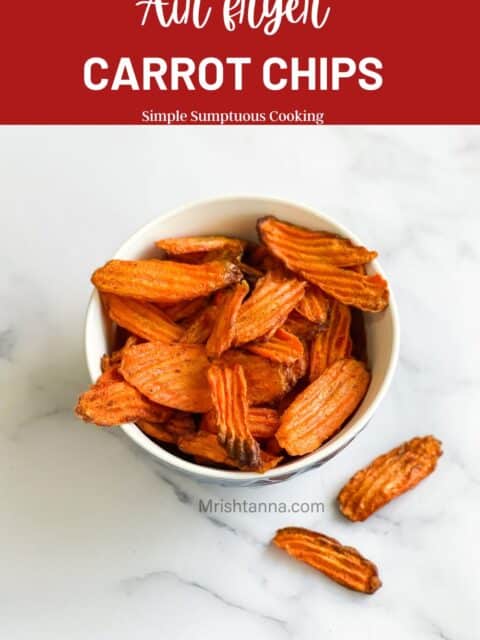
(263, 422)
(143, 319)
(314, 305)
(388, 476)
(267, 381)
(295, 245)
(333, 343)
(223, 332)
(322, 408)
(201, 327)
(344, 565)
(114, 403)
(301, 327)
(163, 280)
(317, 257)
(282, 347)
(174, 375)
(205, 446)
(267, 308)
(185, 309)
(202, 244)
(228, 388)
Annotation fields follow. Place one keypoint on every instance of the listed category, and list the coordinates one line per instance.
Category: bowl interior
(237, 217)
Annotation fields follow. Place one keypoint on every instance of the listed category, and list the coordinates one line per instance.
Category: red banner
(239, 62)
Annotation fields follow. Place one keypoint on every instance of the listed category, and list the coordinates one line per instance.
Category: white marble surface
(96, 541)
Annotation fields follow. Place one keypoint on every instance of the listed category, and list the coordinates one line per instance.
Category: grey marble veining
(98, 542)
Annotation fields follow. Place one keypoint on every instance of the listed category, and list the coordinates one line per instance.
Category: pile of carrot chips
(233, 354)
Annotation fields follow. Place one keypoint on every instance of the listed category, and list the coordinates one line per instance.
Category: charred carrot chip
(228, 388)
(344, 565)
(143, 319)
(223, 331)
(301, 327)
(263, 422)
(113, 403)
(333, 343)
(174, 375)
(205, 446)
(202, 244)
(297, 246)
(267, 308)
(388, 476)
(267, 381)
(201, 327)
(314, 305)
(163, 280)
(283, 347)
(319, 411)
(185, 309)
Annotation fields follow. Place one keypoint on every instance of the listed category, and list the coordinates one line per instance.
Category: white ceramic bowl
(236, 216)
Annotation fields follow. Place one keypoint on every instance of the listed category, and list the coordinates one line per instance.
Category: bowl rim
(321, 455)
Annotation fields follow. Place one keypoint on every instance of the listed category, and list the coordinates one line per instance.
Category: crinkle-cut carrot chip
(200, 327)
(388, 476)
(301, 327)
(174, 375)
(314, 305)
(163, 280)
(369, 293)
(282, 347)
(263, 422)
(177, 426)
(185, 309)
(344, 565)
(223, 331)
(204, 446)
(333, 343)
(267, 381)
(228, 388)
(202, 244)
(296, 245)
(322, 408)
(114, 403)
(143, 319)
(267, 308)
